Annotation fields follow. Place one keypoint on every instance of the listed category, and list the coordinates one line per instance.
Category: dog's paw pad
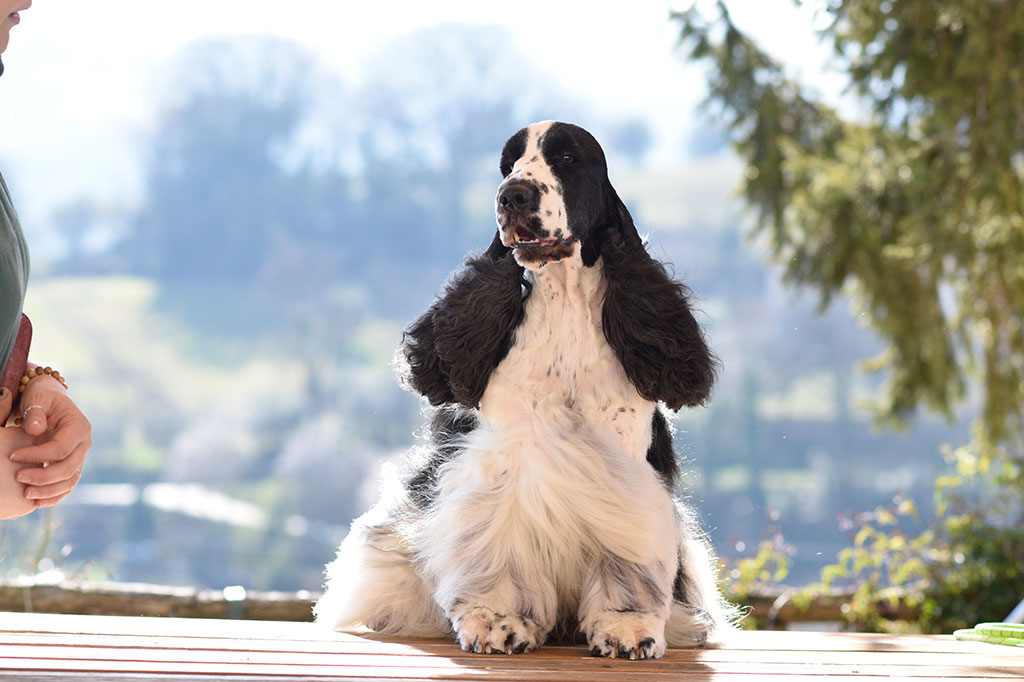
(481, 630)
(632, 635)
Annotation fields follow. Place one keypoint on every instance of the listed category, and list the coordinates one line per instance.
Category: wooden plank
(114, 648)
(286, 637)
(775, 640)
(36, 676)
(375, 675)
(986, 655)
(636, 671)
(903, 665)
(296, 631)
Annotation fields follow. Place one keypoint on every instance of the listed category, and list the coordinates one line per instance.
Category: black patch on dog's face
(512, 152)
(578, 163)
(555, 193)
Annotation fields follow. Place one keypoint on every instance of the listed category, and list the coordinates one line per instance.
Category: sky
(84, 81)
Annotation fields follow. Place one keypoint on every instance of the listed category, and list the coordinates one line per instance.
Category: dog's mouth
(529, 248)
(523, 238)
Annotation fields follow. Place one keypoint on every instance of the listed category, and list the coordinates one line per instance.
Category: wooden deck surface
(61, 647)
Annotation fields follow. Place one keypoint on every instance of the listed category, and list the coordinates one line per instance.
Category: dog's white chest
(561, 377)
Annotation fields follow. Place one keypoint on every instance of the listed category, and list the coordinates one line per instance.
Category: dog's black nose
(515, 195)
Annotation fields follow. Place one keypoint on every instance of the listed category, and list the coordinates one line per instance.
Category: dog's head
(555, 195)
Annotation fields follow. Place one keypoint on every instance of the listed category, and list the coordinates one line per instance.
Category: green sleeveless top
(13, 273)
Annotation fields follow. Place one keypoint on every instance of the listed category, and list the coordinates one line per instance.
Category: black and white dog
(543, 501)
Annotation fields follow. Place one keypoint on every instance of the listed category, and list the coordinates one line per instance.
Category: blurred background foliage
(230, 333)
(912, 206)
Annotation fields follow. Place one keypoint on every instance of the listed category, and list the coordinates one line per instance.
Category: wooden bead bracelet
(38, 372)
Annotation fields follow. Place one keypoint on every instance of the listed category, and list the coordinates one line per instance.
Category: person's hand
(61, 437)
(12, 494)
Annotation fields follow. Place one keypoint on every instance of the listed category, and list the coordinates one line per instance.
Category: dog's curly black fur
(451, 350)
(648, 321)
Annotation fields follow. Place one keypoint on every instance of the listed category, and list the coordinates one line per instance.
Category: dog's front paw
(482, 631)
(626, 634)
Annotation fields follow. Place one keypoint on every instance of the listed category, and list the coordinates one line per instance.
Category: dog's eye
(568, 159)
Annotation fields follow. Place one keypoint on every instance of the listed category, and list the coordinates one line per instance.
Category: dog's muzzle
(518, 208)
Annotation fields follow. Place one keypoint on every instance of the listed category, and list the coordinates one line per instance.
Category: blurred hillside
(230, 337)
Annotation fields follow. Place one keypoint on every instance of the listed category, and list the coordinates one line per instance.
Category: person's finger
(71, 433)
(65, 469)
(44, 494)
(50, 501)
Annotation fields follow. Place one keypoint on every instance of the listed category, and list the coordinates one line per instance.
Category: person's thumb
(33, 419)
(6, 403)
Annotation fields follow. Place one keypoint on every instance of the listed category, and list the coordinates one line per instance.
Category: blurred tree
(917, 211)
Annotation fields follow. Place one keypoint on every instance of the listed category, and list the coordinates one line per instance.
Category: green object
(995, 633)
(13, 273)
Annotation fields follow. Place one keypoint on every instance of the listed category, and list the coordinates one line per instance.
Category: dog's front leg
(495, 602)
(625, 606)
(487, 581)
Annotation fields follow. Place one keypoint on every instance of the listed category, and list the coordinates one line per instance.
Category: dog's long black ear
(648, 322)
(451, 350)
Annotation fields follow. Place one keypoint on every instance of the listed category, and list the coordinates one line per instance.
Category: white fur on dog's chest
(558, 464)
(561, 377)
